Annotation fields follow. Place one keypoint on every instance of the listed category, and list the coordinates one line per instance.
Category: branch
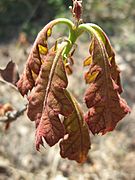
(12, 115)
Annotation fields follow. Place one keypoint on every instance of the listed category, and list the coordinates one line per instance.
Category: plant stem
(66, 21)
(94, 30)
(73, 35)
(101, 33)
(89, 29)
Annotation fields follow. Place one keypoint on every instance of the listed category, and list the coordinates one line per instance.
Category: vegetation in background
(30, 15)
(27, 15)
(110, 14)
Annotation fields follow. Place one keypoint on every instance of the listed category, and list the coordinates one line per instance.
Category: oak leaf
(48, 99)
(115, 71)
(76, 143)
(106, 107)
(34, 62)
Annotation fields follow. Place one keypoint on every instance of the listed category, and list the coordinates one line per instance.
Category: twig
(12, 115)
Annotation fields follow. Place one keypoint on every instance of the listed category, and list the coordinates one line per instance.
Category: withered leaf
(45, 79)
(48, 99)
(115, 71)
(106, 107)
(34, 62)
(76, 143)
(10, 73)
(94, 70)
(49, 128)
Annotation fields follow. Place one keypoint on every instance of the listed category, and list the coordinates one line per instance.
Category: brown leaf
(94, 70)
(106, 107)
(50, 128)
(34, 62)
(115, 71)
(76, 143)
(10, 73)
(48, 99)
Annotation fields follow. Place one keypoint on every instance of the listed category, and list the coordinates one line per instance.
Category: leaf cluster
(56, 113)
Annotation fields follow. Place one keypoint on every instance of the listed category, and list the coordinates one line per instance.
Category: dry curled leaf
(106, 107)
(45, 79)
(48, 99)
(34, 62)
(115, 71)
(76, 143)
(10, 73)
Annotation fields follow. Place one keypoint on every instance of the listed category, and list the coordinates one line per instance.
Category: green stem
(89, 29)
(96, 30)
(72, 38)
(68, 22)
(101, 33)
(74, 33)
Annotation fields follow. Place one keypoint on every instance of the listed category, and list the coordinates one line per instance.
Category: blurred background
(112, 157)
